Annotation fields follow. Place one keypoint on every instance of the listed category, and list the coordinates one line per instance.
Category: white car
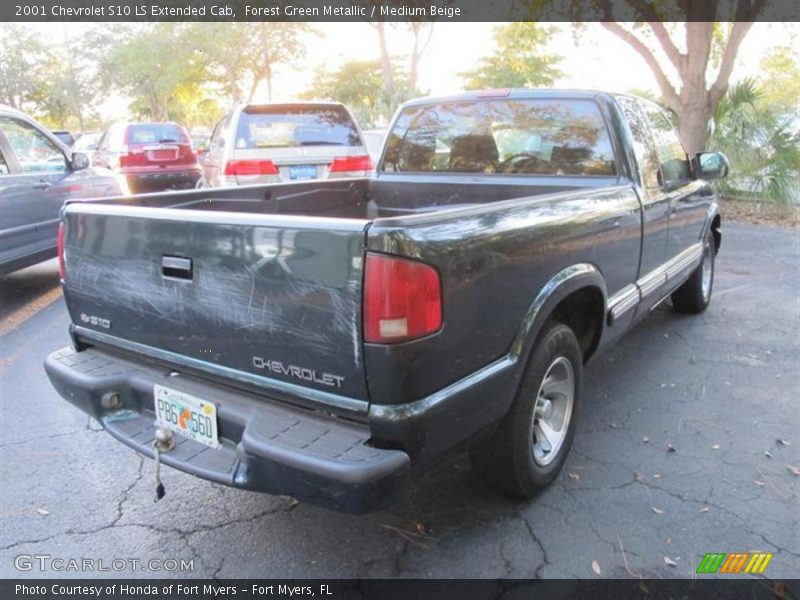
(284, 142)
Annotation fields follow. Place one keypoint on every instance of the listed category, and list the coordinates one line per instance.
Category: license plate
(187, 415)
(303, 172)
(162, 155)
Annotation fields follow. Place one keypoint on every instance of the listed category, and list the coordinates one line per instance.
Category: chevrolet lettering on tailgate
(278, 368)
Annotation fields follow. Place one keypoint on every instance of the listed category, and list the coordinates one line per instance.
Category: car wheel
(529, 447)
(694, 295)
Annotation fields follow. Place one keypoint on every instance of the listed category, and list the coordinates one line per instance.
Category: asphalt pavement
(689, 432)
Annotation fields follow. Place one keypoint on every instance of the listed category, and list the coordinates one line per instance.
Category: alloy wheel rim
(553, 411)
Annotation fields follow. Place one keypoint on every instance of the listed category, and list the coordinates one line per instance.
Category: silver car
(297, 141)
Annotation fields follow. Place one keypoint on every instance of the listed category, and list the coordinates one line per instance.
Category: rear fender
(558, 287)
(425, 428)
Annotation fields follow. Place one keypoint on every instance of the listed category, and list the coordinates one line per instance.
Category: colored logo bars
(737, 562)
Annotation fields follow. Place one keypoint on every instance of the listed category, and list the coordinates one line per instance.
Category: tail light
(250, 167)
(345, 164)
(402, 299)
(121, 159)
(60, 244)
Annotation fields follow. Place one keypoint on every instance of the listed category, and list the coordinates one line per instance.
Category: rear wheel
(529, 447)
(694, 295)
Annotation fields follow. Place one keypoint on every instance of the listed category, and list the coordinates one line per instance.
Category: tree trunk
(696, 102)
(693, 126)
(386, 61)
(695, 107)
(154, 109)
(417, 28)
(415, 56)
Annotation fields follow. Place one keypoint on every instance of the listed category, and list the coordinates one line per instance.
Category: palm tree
(764, 154)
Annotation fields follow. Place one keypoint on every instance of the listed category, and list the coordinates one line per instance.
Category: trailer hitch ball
(163, 439)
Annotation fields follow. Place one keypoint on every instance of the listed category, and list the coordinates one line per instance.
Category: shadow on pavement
(19, 288)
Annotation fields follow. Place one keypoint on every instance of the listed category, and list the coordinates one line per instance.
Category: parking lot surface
(686, 444)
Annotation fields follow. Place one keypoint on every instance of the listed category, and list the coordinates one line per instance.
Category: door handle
(177, 267)
(42, 185)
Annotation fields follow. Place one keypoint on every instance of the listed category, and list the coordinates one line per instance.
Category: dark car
(37, 174)
(328, 339)
(151, 156)
(65, 137)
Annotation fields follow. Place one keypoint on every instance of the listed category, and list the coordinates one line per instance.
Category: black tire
(694, 296)
(507, 459)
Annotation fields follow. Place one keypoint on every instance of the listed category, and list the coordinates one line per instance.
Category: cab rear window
(286, 126)
(502, 136)
(156, 133)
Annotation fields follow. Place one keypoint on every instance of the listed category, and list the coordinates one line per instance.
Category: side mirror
(79, 161)
(712, 165)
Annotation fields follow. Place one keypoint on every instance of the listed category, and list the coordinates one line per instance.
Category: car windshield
(286, 126)
(503, 136)
(149, 133)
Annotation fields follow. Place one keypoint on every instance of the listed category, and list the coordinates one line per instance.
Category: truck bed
(364, 199)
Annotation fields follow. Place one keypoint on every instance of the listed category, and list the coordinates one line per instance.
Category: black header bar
(394, 589)
(397, 10)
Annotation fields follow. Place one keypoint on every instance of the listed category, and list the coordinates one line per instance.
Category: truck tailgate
(262, 298)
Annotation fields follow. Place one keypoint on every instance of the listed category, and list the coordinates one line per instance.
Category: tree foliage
(780, 81)
(758, 140)
(397, 87)
(185, 72)
(519, 59)
(275, 44)
(22, 74)
(156, 65)
(240, 56)
(700, 47)
(359, 85)
(689, 49)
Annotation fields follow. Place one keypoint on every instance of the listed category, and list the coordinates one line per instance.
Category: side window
(217, 141)
(643, 146)
(672, 156)
(4, 170)
(35, 152)
(101, 143)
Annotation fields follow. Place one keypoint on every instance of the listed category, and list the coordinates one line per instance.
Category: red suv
(151, 156)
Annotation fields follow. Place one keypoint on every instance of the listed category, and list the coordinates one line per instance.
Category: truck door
(655, 202)
(688, 198)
